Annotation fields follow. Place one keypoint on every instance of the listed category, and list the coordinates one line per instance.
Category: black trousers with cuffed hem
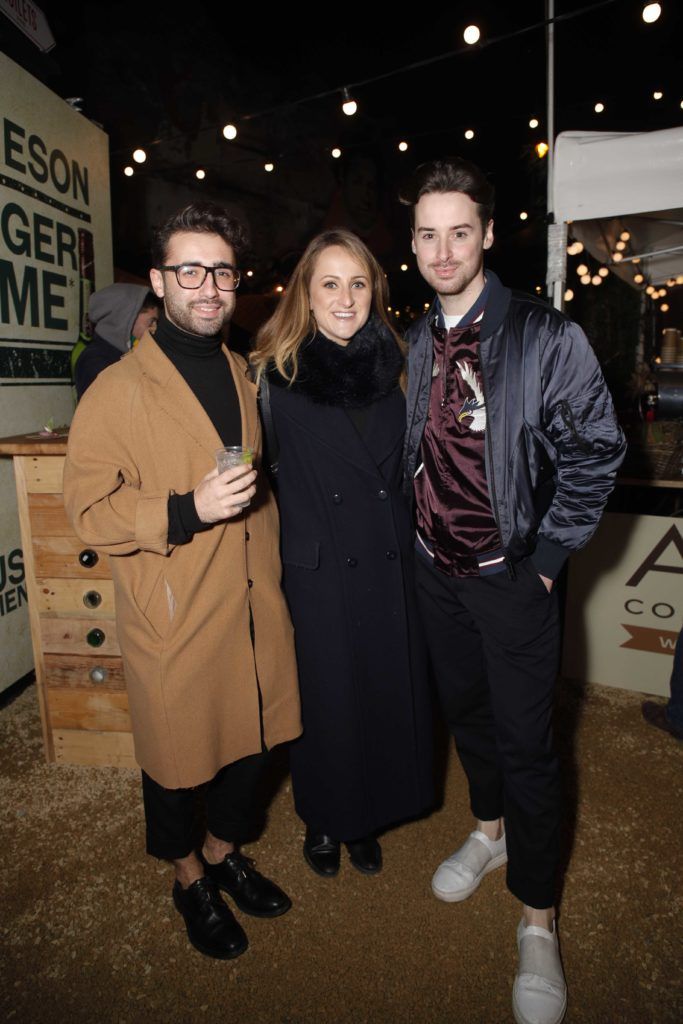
(229, 802)
(494, 649)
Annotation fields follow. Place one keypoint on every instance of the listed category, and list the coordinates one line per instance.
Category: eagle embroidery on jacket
(474, 407)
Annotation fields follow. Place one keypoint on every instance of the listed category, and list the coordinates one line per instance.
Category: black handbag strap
(271, 448)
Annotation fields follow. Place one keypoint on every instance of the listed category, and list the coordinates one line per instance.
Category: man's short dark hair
(205, 217)
(452, 174)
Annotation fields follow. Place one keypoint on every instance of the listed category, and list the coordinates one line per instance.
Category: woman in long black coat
(332, 367)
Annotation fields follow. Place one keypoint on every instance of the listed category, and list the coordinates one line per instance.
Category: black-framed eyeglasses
(193, 275)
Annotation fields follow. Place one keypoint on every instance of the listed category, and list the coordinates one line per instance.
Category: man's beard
(184, 317)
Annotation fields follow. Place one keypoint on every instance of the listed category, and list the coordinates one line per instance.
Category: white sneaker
(460, 875)
(539, 995)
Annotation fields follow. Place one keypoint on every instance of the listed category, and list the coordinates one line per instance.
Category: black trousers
(494, 648)
(229, 799)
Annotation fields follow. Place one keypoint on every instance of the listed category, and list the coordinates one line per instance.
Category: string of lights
(472, 36)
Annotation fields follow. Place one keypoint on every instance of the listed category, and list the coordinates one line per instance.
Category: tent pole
(555, 287)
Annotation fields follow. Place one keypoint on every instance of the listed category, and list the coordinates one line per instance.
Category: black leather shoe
(252, 893)
(211, 927)
(321, 853)
(365, 855)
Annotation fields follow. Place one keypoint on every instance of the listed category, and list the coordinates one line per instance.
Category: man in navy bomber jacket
(512, 449)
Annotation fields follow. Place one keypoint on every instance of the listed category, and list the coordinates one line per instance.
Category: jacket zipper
(568, 417)
(489, 444)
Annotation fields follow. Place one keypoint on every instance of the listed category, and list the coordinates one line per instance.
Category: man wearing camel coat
(202, 624)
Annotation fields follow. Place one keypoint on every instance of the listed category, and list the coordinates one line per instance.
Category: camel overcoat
(201, 694)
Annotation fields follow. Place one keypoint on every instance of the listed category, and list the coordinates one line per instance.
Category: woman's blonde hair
(292, 323)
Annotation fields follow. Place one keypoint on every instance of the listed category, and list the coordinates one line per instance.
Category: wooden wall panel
(68, 636)
(73, 670)
(87, 709)
(104, 748)
(76, 597)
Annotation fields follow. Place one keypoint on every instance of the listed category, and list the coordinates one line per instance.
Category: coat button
(352, 562)
(391, 555)
(250, 583)
(382, 495)
(337, 498)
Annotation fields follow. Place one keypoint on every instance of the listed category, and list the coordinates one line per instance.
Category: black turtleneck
(202, 365)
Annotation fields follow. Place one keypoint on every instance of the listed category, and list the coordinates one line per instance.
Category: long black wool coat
(364, 760)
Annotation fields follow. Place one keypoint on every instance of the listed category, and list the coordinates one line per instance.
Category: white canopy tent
(605, 183)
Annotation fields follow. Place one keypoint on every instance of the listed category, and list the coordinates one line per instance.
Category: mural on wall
(55, 249)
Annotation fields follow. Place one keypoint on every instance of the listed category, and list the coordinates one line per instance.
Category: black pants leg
(230, 809)
(494, 646)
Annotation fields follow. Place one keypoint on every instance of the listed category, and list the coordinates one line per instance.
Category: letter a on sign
(672, 536)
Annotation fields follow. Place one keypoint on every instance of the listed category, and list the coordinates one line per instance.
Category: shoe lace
(241, 862)
(206, 891)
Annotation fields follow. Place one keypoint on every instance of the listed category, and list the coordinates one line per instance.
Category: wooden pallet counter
(79, 676)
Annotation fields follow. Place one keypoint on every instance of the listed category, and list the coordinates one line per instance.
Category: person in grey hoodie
(119, 314)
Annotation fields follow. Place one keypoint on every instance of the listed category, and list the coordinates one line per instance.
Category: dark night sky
(146, 74)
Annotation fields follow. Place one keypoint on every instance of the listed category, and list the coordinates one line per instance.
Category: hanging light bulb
(657, 95)
(568, 295)
(617, 257)
(664, 307)
(403, 146)
(523, 215)
(128, 171)
(269, 167)
(620, 246)
(624, 236)
(533, 123)
(199, 173)
(250, 273)
(581, 269)
(541, 149)
(469, 134)
(599, 107)
(279, 289)
(585, 279)
(651, 13)
(650, 290)
(229, 131)
(404, 266)
(596, 279)
(336, 153)
(139, 156)
(638, 278)
(471, 35)
(603, 271)
(349, 106)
